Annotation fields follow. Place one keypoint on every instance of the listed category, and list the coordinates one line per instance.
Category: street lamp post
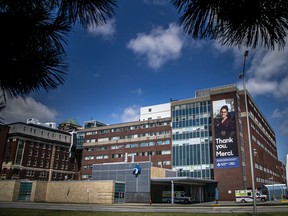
(272, 196)
(242, 76)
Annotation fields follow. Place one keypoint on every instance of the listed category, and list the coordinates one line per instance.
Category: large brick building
(184, 135)
(148, 140)
(188, 136)
(36, 152)
(263, 145)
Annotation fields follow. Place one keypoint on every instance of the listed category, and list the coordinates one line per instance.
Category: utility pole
(242, 76)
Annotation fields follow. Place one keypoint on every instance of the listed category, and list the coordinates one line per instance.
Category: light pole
(272, 197)
(242, 76)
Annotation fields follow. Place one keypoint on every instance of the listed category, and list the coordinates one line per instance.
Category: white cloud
(282, 115)
(266, 70)
(268, 74)
(114, 115)
(18, 110)
(131, 113)
(160, 46)
(268, 64)
(137, 91)
(279, 114)
(261, 87)
(106, 31)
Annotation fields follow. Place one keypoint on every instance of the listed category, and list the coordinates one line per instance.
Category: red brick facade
(146, 140)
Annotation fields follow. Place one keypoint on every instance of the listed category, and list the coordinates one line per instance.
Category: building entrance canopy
(183, 180)
(198, 190)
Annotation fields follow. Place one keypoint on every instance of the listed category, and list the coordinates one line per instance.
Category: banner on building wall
(225, 139)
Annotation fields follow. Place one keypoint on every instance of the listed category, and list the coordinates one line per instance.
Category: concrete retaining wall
(62, 191)
(9, 190)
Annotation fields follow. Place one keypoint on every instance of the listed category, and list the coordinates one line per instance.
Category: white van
(245, 196)
(179, 197)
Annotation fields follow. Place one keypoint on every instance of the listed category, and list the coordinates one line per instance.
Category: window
(86, 176)
(164, 152)
(166, 162)
(41, 163)
(116, 155)
(30, 173)
(47, 164)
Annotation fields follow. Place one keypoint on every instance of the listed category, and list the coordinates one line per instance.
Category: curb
(215, 205)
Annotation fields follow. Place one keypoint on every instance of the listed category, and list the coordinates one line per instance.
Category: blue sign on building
(136, 170)
(228, 162)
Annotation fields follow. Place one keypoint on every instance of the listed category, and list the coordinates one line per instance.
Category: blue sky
(141, 57)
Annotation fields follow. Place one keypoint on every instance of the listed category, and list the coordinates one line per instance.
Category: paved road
(224, 207)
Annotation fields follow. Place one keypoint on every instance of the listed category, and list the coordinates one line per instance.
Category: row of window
(204, 173)
(97, 157)
(192, 155)
(191, 123)
(42, 163)
(191, 135)
(264, 138)
(263, 146)
(43, 132)
(191, 112)
(265, 181)
(266, 170)
(131, 136)
(263, 121)
(44, 174)
(46, 155)
(38, 145)
(129, 128)
(191, 105)
(35, 163)
(159, 163)
(130, 145)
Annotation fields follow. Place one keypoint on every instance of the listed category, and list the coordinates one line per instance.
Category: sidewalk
(214, 204)
(233, 203)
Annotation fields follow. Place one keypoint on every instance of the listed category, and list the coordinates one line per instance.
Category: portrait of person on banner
(225, 124)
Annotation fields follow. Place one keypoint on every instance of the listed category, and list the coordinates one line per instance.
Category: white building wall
(155, 112)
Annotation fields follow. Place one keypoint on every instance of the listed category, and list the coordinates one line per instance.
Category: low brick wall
(81, 192)
(62, 191)
(39, 191)
(9, 190)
